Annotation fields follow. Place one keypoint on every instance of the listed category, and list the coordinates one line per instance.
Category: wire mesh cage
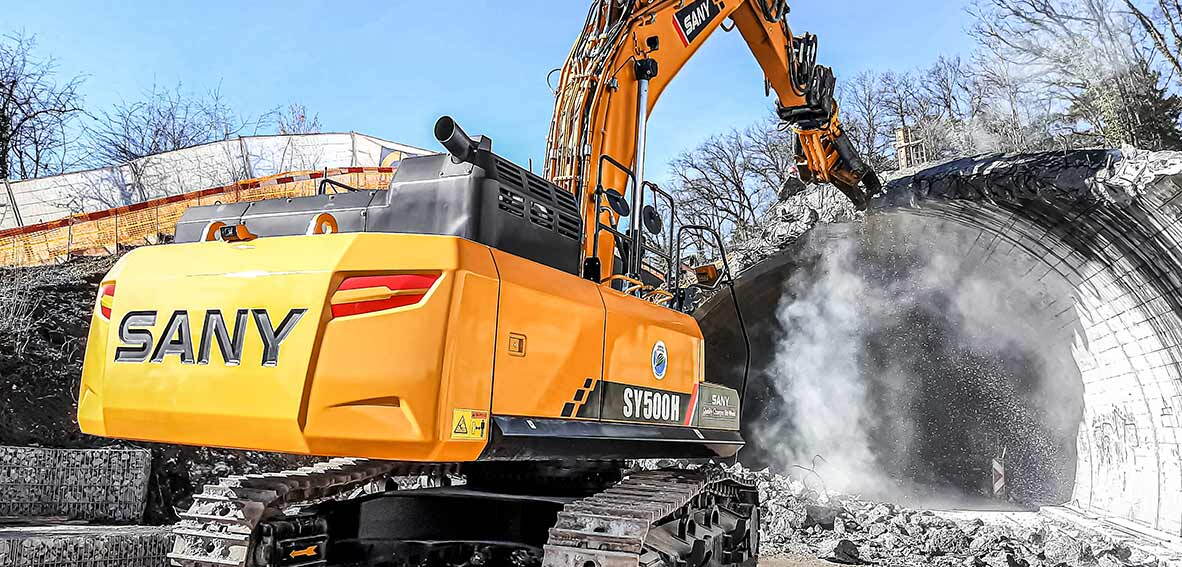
(86, 546)
(78, 484)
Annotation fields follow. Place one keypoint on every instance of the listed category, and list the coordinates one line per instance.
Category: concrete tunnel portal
(1020, 308)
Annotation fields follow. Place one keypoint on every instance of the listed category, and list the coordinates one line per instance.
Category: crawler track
(703, 517)
(669, 517)
(217, 529)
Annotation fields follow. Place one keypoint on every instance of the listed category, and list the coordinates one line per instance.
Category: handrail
(730, 281)
(599, 203)
(326, 181)
(671, 269)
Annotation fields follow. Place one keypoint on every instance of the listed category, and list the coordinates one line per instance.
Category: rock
(946, 541)
(1116, 555)
(849, 530)
(1037, 536)
(880, 513)
(986, 539)
(822, 516)
(797, 488)
(888, 540)
(1014, 561)
(1061, 548)
(971, 528)
(1109, 561)
(996, 560)
(842, 551)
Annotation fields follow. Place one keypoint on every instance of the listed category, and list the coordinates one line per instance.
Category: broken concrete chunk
(1061, 548)
(842, 551)
(823, 516)
(947, 541)
(876, 530)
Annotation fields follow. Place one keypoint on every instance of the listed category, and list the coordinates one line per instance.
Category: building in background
(910, 150)
(215, 164)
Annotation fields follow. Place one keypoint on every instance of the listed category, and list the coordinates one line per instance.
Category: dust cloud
(909, 360)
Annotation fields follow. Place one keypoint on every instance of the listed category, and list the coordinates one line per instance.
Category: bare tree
(901, 99)
(1165, 17)
(744, 183)
(35, 111)
(295, 119)
(717, 185)
(1089, 62)
(948, 86)
(130, 138)
(771, 158)
(864, 117)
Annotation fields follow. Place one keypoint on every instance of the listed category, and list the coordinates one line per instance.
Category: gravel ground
(800, 525)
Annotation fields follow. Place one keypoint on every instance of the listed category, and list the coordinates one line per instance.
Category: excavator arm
(625, 57)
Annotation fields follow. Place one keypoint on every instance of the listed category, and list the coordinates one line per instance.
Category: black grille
(539, 188)
(541, 216)
(565, 199)
(511, 202)
(548, 205)
(509, 174)
(568, 226)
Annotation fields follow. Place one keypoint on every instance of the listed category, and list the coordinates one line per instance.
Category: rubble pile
(803, 519)
(1068, 178)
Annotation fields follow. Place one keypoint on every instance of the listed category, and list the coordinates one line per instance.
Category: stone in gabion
(80, 484)
(85, 546)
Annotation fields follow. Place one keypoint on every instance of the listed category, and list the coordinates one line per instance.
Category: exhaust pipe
(457, 142)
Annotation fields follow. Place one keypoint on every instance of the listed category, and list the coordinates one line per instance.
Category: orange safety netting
(104, 232)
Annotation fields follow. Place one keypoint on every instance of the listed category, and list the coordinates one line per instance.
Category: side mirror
(652, 220)
(618, 203)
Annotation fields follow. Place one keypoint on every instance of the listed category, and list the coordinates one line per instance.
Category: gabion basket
(98, 485)
(85, 546)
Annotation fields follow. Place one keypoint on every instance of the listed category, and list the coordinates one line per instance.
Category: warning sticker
(469, 424)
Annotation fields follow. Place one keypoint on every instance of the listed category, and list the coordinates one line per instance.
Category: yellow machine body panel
(276, 344)
(383, 384)
(550, 337)
(640, 330)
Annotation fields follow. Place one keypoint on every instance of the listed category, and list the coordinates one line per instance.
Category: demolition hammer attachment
(824, 154)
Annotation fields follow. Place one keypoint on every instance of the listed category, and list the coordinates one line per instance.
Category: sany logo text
(139, 344)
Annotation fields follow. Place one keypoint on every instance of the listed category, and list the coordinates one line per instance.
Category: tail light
(366, 294)
(106, 298)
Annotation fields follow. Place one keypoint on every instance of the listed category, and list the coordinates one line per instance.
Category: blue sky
(390, 68)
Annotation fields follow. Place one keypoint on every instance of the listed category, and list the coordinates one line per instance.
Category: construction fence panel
(104, 232)
(191, 169)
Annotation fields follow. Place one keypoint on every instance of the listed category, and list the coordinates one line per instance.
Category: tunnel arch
(1093, 237)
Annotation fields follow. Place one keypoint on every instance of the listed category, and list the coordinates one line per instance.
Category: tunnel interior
(1022, 310)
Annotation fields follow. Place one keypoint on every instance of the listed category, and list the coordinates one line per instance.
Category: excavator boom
(621, 63)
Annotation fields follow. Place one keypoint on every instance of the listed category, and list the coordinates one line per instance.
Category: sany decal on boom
(692, 19)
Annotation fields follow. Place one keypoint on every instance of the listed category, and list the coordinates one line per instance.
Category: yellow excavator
(475, 321)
